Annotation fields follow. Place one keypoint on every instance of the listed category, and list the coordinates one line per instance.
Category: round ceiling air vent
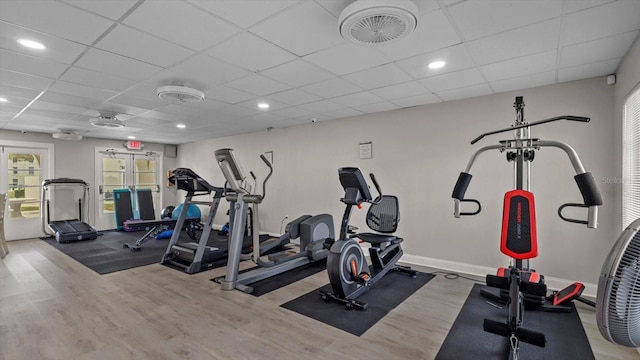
(107, 122)
(64, 134)
(180, 94)
(378, 22)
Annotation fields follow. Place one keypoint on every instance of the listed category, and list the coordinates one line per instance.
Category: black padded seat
(378, 239)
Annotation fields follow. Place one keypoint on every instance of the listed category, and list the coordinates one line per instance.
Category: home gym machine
(66, 230)
(520, 285)
(193, 257)
(349, 274)
(312, 230)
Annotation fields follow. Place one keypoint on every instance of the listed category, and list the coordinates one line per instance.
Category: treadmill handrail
(48, 182)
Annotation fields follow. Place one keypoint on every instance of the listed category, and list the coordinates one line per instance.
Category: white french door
(124, 170)
(23, 167)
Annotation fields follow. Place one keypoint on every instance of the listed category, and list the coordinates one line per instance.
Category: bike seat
(377, 239)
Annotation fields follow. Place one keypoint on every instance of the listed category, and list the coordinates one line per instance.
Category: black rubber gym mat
(388, 293)
(565, 335)
(286, 278)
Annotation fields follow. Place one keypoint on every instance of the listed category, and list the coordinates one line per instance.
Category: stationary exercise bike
(349, 274)
(520, 285)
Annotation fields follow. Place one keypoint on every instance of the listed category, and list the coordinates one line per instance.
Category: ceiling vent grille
(378, 22)
(180, 94)
(104, 121)
(64, 134)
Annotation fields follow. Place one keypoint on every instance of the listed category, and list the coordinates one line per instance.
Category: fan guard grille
(618, 302)
(110, 122)
(180, 94)
(371, 23)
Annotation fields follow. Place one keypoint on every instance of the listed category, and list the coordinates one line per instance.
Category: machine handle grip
(592, 216)
(458, 195)
(588, 189)
(266, 161)
(456, 207)
(264, 183)
(375, 183)
(253, 175)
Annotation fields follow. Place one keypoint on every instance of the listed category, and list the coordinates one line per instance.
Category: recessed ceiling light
(181, 126)
(437, 64)
(263, 106)
(31, 44)
(3, 99)
(131, 137)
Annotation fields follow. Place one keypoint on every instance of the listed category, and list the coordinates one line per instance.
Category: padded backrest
(384, 216)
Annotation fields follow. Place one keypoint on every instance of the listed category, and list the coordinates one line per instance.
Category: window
(631, 159)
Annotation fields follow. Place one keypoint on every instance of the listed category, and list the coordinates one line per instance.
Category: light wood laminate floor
(52, 307)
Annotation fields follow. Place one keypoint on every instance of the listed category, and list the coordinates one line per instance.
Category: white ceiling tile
(521, 66)
(142, 103)
(55, 18)
(30, 65)
(379, 76)
(322, 106)
(411, 88)
(377, 107)
(48, 106)
(265, 117)
(58, 49)
(202, 72)
(417, 100)
(14, 102)
(600, 68)
(10, 92)
(456, 58)
(577, 5)
(477, 19)
(250, 52)
(434, 31)
(612, 47)
(344, 113)
(605, 20)
(524, 82)
(235, 11)
(140, 46)
(300, 29)
(526, 40)
(357, 99)
(68, 88)
(77, 101)
(297, 73)
(180, 23)
(113, 9)
(228, 94)
(453, 80)
(24, 80)
(347, 58)
(294, 97)
(104, 61)
(121, 110)
(96, 79)
(253, 104)
(465, 92)
(331, 88)
(292, 112)
(258, 85)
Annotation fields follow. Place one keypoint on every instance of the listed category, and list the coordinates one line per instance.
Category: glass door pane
(24, 179)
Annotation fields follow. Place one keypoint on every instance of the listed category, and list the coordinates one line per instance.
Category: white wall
(418, 154)
(76, 159)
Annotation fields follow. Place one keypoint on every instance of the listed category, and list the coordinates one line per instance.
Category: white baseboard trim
(477, 270)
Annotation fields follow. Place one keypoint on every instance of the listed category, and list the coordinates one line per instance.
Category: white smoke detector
(65, 134)
(377, 22)
(106, 121)
(180, 94)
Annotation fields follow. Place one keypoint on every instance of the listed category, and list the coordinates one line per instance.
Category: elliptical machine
(519, 284)
(349, 274)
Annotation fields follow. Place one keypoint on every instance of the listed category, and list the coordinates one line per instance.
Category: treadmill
(66, 230)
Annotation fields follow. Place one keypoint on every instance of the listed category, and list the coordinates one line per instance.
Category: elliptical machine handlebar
(264, 183)
(377, 185)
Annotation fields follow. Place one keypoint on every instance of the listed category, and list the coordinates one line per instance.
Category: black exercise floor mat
(281, 280)
(566, 338)
(383, 297)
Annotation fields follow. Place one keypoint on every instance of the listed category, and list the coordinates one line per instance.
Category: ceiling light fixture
(371, 23)
(181, 126)
(131, 137)
(105, 121)
(437, 64)
(181, 94)
(65, 134)
(3, 99)
(31, 44)
(263, 106)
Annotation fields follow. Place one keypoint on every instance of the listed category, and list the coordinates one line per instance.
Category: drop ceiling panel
(332, 88)
(228, 94)
(111, 9)
(130, 100)
(456, 58)
(524, 82)
(24, 80)
(55, 18)
(458, 79)
(250, 52)
(379, 76)
(30, 65)
(601, 21)
(14, 101)
(613, 47)
(599, 68)
(180, 23)
(521, 66)
(92, 78)
(417, 100)
(258, 85)
(294, 97)
(572, 6)
(511, 44)
(235, 11)
(57, 49)
(377, 107)
(322, 106)
(344, 113)
(433, 32)
(357, 99)
(297, 73)
(411, 88)
(104, 61)
(347, 58)
(292, 112)
(253, 105)
(465, 92)
(64, 99)
(140, 46)
(478, 19)
(300, 29)
(68, 88)
(203, 72)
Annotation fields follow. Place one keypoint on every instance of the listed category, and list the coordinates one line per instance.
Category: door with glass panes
(122, 170)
